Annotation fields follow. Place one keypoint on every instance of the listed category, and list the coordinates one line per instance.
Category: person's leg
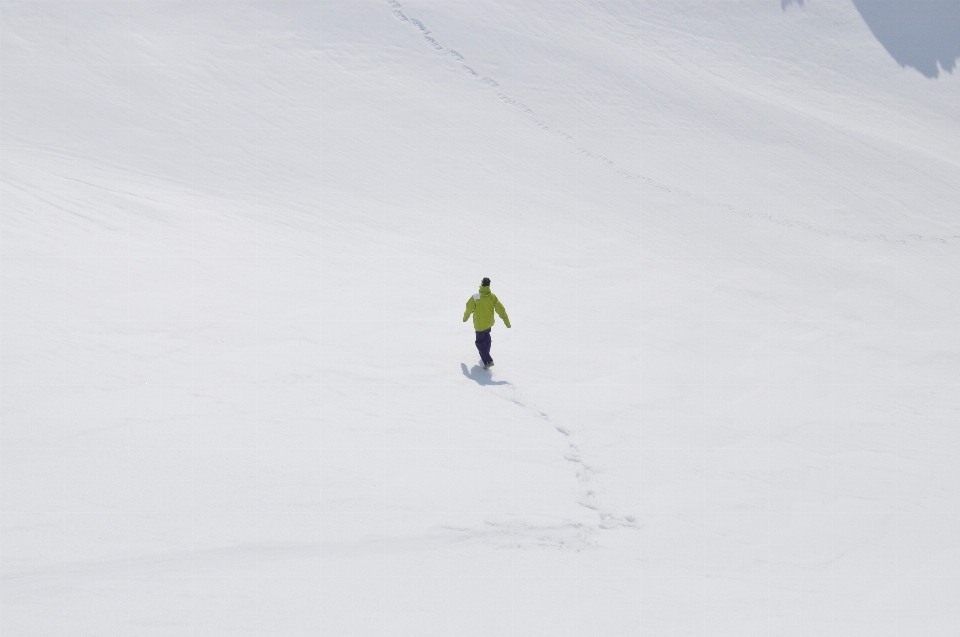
(483, 345)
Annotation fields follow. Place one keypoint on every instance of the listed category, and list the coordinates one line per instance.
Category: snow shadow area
(478, 375)
(916, 33)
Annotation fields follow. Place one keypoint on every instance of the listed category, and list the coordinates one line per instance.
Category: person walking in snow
(482, 305)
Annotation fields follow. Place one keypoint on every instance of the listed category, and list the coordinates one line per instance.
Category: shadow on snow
(481, 377)
(917, 33)
(924, 34)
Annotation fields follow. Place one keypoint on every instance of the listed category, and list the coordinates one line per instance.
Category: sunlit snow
(238, 397)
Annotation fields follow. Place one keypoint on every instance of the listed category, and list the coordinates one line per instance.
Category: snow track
(501, 94)
(236, 240)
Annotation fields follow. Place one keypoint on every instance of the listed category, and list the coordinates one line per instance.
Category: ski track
(501, 94)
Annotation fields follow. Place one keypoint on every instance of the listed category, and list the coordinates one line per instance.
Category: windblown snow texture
(238, 398)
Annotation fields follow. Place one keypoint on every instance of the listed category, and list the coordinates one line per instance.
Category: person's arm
(471, 306)
(502, 311)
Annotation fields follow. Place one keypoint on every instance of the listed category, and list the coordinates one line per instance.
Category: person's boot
(488, 365)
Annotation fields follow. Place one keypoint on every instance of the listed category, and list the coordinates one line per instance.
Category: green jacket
(482, 306)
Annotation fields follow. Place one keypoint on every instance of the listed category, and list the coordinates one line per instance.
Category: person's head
(485, 282)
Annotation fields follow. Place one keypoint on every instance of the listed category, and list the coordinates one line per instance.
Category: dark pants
(483, 345)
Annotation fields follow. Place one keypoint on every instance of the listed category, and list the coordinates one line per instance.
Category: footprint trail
(501, 94)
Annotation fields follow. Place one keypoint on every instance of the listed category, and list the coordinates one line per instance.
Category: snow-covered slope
(237, 396)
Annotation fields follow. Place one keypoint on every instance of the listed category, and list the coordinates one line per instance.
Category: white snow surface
(238, 398)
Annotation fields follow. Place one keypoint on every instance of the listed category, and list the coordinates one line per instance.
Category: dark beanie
(485, 281)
